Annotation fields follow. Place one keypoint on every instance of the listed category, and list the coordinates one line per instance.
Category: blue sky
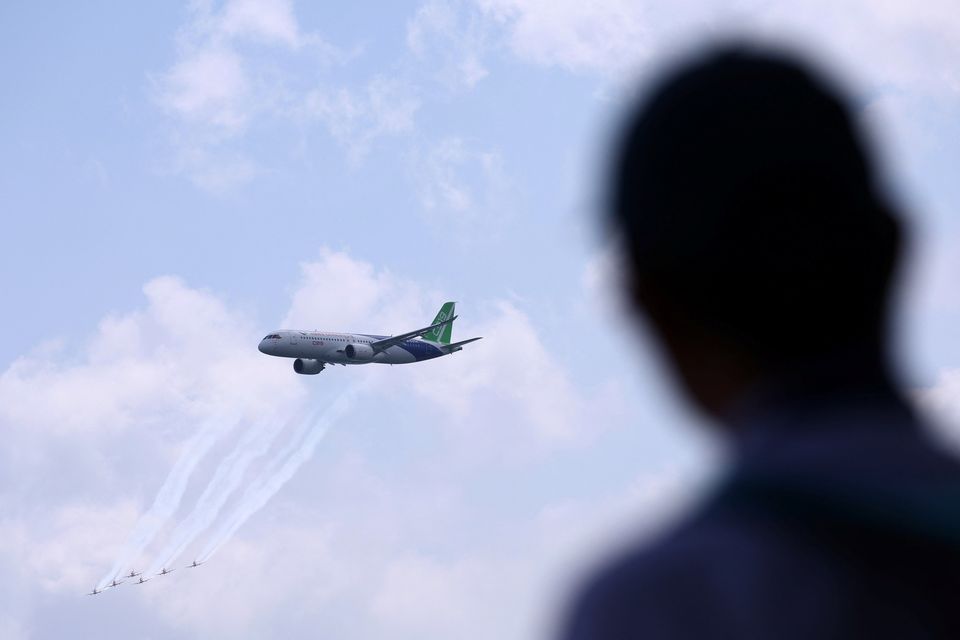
(180, 179)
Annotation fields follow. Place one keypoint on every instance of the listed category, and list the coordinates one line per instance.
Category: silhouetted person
(761, 251)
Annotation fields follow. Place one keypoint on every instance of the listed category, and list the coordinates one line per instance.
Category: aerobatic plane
(194, 564)
(314, 350)
(95, 592)
(142, 580)
(165, 571)
(132, 574)
(115, 583)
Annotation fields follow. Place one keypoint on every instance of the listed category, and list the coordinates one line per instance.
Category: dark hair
(744, 192)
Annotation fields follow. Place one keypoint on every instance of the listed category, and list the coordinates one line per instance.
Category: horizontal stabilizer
(456, 346)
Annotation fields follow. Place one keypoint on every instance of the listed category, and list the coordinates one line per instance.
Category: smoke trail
(226, 479)
(281, 469)
(171, 492)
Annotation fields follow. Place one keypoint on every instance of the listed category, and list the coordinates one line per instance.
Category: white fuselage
(348, 348)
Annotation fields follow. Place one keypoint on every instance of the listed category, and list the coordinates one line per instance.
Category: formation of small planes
(136, 574)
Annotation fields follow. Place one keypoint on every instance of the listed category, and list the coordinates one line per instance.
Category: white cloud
(59, 553)
(230, 73)
(514, 382)
(249, 62)
(215, 169)
(210, 83)
(358, 546)
(444, 187)
(356, 118)
(898, 56)
(145, 380)
(579, 36)
(13, 629)
(452, 39)
(338, 290)
(458, 183)
(536, 405)
(894, 42)
(270, 21)
(290, 571)
(459, 592)
(209, 86)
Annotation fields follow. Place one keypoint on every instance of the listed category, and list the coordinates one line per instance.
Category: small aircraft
(165, 571)
(115, 583)
(142, 580)
(95, 592)
(132, 574)
(314, 350)
(195, 564)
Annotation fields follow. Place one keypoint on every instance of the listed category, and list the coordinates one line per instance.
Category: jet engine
(308, 366)
(359, 351)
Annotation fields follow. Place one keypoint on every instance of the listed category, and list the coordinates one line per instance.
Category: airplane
(195, 564)
(115, 583)
(165, 571)
(132, 574)
(314, 350)
(142, 580)
(95, 592)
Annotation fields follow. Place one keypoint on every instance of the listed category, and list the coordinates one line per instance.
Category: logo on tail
(442, 334)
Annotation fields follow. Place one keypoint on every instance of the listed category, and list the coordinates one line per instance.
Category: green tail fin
(442, 334)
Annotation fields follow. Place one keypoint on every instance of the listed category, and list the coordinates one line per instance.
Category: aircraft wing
(386, 343)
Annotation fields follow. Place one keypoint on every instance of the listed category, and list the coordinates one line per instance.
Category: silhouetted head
(755, 234)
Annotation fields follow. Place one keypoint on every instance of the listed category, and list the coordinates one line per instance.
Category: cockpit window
(273, 336)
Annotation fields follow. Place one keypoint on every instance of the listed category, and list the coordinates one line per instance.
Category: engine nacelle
(308, 366)
(359, 352)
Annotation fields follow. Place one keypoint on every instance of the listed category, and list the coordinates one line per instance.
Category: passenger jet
(314, 350)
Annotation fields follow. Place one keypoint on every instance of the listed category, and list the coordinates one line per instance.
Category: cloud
(213, 168)
(896, 42)
(12, 629)
(524, 395)
(337, 290)
(211, 82)
(431, 508)
(356, 118)
(578, 36)
(535, 405)
(453, 38)
(60, 552)
(145, 379)
(248, 64)
(453, 590)
(210, 86)
(270, 21)
(90, 429)
(461, 184)
(233, 69)
(898, 57)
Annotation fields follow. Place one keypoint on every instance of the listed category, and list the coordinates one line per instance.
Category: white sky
(177, 181)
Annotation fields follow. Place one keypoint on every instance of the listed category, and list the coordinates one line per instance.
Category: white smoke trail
(168, 498)
(226, 479)
(281, 469)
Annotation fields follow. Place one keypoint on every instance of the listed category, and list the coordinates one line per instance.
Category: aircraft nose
(262, 347)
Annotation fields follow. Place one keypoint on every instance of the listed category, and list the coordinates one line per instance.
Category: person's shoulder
(689, 583)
